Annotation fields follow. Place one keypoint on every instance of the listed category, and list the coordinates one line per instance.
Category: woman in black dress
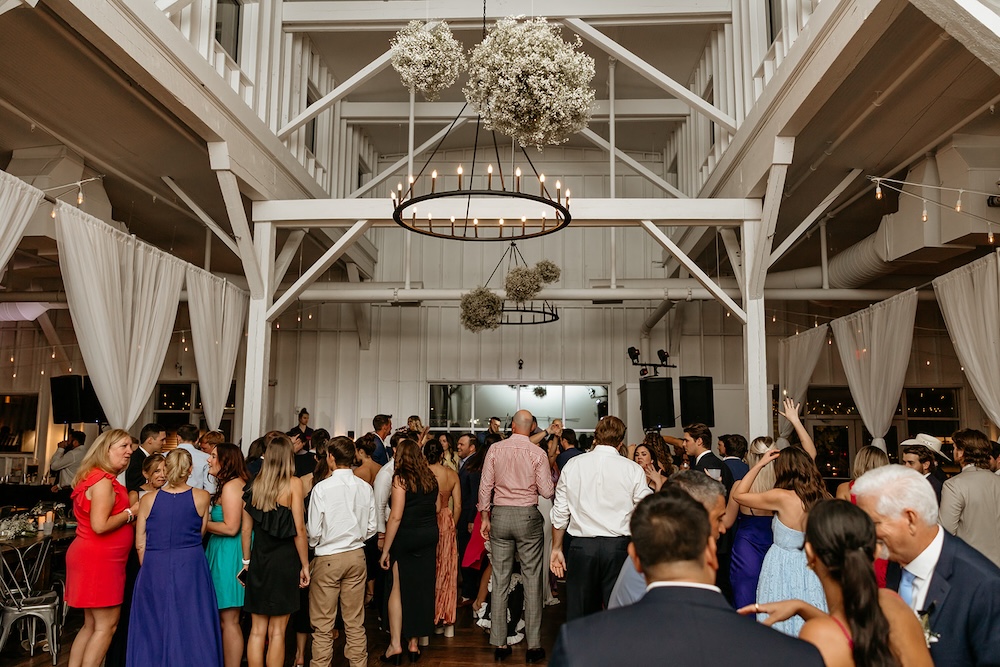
(277, 564)
(411, 536)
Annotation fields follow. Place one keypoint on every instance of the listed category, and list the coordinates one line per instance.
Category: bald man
(515, 473)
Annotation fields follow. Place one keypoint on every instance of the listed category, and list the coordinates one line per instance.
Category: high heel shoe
(414, 656)
(394, 659)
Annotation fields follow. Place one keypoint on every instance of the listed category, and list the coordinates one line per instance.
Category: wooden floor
(469, 647)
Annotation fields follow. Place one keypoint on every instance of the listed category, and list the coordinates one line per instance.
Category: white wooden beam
(641, 169)
(353, 15)
(695, 271)
(649, 72)
(203, 216)
(735, 255)
(241, 228)
(758, 261)
(399, 164)
(426, 112)
(171, 7)
(331, 98)
(808, 221)
(586, 212)
(7, 5)
(316, 270)
(286, 256)
(258, 346)
(360, 311)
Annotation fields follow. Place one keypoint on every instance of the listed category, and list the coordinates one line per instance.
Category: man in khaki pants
(341, 518)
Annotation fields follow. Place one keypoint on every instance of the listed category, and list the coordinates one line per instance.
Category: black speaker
(697, 401)
(90, 407)
(66, 393)
(656, 402)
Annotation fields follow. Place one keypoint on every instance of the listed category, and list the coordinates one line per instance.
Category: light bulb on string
(79, 197)
(878, 189)
(958, 204)
(990, 237)
(310, 316)
(923, 216)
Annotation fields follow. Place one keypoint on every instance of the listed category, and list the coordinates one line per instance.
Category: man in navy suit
(683, 619)
(950, 585)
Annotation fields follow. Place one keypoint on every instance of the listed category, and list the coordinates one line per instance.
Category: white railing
(230, 71)
(794, 17)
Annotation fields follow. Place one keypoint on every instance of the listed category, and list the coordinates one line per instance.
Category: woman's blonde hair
(868, 458)
(276, 471)
(765, 478)
(151, 463)
(98, 457)
(178, 467)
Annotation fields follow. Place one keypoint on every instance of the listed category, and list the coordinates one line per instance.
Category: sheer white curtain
(874, 346)
(218, 311)
(122, 296)
(17, 202)
(797, 357)
(969, 298)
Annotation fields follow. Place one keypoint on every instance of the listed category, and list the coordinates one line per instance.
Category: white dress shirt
(66, 463)
(597, 492)
(683, 584)
(341, 513)
(383, 489)
(922, 568)
(200, 477)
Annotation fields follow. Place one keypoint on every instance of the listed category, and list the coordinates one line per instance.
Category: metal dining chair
(21, 598)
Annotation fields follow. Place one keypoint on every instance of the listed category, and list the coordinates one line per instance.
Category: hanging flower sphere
(481, 309)
(528, 83)
(427, 60)
(548, 271)
(522, 284)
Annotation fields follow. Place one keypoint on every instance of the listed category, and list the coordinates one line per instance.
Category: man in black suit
(950, 585)
(151, 441)
(683, 619)
(698, 443)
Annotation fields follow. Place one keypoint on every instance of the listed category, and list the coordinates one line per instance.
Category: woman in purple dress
(175, 617)
(753, 531)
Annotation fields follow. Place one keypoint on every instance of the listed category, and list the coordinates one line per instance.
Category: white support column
(759, 260)
(755, 343)
(258, 362)
(286, 256)
(361, 311)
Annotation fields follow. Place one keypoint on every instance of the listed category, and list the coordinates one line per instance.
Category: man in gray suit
(970, 501)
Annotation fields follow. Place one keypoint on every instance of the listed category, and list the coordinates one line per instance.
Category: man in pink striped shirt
(515, 473)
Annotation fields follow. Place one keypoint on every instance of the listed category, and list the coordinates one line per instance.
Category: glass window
(180, 403)
(450, 406)
(227, 26)
(545, 402)
(174, 397)
(833, 446)
(773, 20)
(494, 400)
(310, 128)
(932, 403)
(18, 415)
(585, 405)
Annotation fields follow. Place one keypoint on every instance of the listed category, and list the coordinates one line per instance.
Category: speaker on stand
(697, 400)
(656, 402)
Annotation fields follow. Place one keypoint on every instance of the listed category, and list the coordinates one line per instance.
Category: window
(310, 127)
(227, 26)
(774, 24)
(180, 403)
(465, 406)
(18, 414)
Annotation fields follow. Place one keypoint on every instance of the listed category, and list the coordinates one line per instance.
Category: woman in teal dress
(224, 549)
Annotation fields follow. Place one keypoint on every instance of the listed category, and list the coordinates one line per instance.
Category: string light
(79, 197)
(923, 216)
(878, 189)
(958, 204)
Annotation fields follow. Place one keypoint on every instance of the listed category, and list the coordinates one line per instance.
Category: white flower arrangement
(427, 60)
(522, 284)
(530, 84)
(481, 309)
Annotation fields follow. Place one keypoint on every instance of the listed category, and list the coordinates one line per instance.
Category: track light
(633, 354)
(662, 354)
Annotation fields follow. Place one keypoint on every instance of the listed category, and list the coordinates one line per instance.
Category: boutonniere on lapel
(930, 636)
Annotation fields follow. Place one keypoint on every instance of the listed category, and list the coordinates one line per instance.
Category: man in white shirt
(200, 478)
(67, 458)
(594, 499)
(950, 585)
(341, 518)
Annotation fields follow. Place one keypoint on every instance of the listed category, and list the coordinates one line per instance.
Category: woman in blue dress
(174, 618)
(798, 486)
(225, 549)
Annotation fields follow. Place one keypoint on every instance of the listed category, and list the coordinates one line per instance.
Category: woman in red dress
(95, 561)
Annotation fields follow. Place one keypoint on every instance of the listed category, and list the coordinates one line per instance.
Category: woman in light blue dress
(224, 549)
(797, 487)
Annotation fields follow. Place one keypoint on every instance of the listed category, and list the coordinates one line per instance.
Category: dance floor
(469, 647)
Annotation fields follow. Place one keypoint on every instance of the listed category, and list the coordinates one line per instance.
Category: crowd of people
(663, 546)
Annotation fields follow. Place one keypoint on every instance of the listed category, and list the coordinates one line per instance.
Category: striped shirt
(515, 473)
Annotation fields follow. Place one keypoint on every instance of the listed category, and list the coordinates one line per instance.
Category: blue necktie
(906, 587)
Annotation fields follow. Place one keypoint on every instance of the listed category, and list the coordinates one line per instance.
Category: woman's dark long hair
(412, 468)
(795, 470)
(433, 452)
(843, 539)
(231, 466)
(320, 439)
